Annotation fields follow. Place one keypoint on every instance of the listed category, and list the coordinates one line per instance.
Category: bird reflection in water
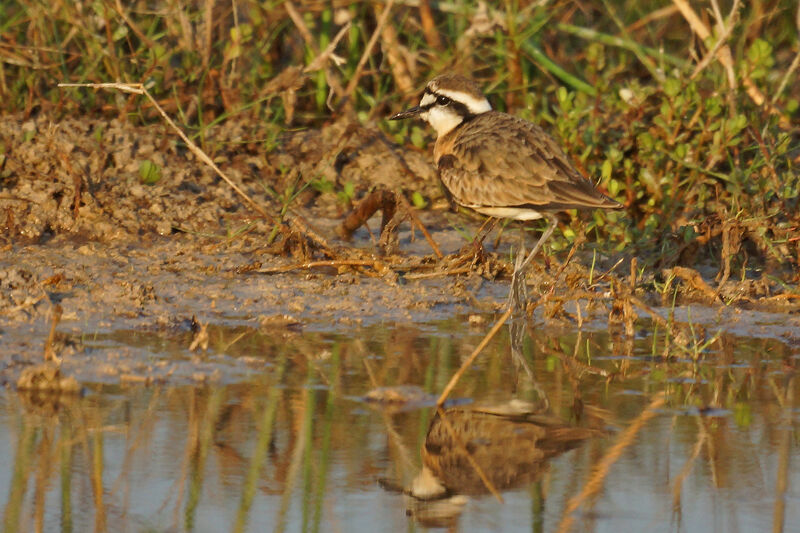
(477, 451)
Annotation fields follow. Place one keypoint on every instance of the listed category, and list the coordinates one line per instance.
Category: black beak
(408, 113)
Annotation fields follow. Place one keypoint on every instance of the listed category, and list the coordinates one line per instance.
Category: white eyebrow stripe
(427, 99)
(475, 105)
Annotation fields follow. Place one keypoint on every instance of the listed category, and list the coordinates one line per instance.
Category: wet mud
(92, 245)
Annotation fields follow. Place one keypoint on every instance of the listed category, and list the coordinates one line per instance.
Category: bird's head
(448, 101)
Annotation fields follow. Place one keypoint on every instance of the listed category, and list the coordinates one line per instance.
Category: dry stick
(139, 33)
(429, 275)
(377, 265)
(658, 319)
(332, 80)
(663, 12)
(722, 40)
(208, 16)
(351, 86)
(300, 25)
(416, 221)
(321, 60)
(687, 467)
(471, 358)
(790, 70)
(595, 482)
(471, 460)
(391, 45)
(429, 25)
(138, 88)
(49, 351)
(703, 32)
(725, 57)
(609, 271)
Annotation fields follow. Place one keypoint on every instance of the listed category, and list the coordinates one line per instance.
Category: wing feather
(536, 173)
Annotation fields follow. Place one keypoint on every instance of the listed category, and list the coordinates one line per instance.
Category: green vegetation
(691, 122)
(149, 172)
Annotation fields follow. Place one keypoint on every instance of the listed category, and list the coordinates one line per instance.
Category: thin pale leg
(552, 222)
(518, 297)
(480, 236)
(518, 292)
(477, 242)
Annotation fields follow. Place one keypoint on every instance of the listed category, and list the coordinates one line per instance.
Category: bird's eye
(443, 100)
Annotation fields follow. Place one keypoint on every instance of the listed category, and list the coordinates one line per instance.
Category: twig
(722, 39)
(452, 383)
(393, 50)
(726, 59)
(49, 351)
(139, 33)
(429, 275)
(609, 271)
(330, 76)
(789, 71)
(429, 25)
(353, 83)
(595, 482)
(416, 221)
(321, 60)
(664, 12)
(471, 460)
(377, 265)
(300, 25)
(138, 88)
(704, 33)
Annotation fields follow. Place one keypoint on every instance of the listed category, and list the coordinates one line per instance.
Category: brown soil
(84, 239)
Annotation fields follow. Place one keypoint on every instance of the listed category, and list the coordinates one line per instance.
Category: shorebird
(498, 164)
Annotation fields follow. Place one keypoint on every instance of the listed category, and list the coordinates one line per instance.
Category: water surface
(606, 433)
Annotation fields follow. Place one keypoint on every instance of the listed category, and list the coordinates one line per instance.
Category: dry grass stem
(49, 350)
(393, 49)
(418, 223)
(379, 266)
(431, 275)
(473, 463)
(725, 57)
(469, 360)
(704, 33)
(598, 476)
(726, 28)
(687, 468)
(353, 83)
(658, 14)
(138, 88)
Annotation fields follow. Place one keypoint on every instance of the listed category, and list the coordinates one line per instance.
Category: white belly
(517, 213)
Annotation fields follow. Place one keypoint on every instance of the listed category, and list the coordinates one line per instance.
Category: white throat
(442, 119)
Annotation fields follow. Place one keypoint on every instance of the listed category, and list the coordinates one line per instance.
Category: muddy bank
(94, 245)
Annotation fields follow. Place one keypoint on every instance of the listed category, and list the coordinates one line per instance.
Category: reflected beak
(408, 113)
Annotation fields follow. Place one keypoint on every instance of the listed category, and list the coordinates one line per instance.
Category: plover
(498, 164)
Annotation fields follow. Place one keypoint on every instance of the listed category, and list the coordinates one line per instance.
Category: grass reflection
(293, 446)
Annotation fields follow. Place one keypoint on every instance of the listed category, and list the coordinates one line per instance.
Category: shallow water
(273, 433)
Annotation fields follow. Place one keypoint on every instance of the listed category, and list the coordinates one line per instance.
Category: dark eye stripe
(458, 107)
